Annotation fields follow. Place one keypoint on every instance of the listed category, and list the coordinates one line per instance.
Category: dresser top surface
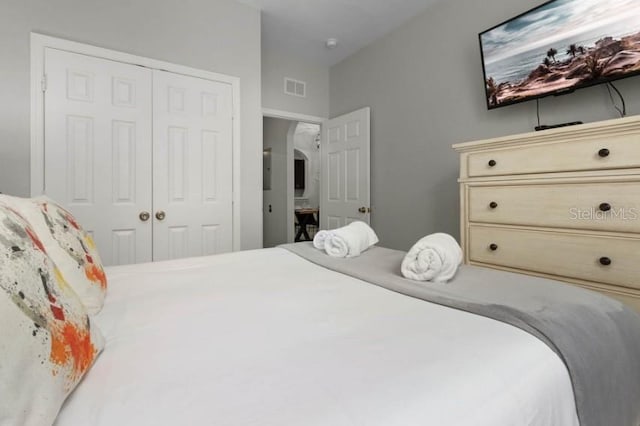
(619, 125)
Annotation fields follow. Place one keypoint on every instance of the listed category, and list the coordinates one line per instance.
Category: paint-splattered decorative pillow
(46, 340)
(70, 247)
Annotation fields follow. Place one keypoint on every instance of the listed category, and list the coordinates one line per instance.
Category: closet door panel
(192, 166)
(98, 150)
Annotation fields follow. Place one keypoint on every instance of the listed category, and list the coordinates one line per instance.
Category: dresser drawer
(560, 254)
(576, 206)
(622, 151)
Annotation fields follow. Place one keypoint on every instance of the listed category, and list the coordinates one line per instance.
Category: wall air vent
(295, 87)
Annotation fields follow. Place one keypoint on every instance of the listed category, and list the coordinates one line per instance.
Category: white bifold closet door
(192, 166)
(142, 158)
(98, 146)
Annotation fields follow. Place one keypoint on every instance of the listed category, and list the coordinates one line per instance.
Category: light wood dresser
(562, 204)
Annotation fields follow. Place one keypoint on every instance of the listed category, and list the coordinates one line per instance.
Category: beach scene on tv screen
(561, 46)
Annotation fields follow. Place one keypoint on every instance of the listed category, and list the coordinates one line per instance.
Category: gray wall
(424, 85)
(276, 65)
(216, 35)
(275, 133)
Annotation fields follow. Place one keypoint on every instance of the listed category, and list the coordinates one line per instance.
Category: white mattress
(266, 338)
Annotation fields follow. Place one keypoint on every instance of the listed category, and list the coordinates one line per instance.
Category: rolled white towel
(350, 240)
(435, 257)
(320, 238)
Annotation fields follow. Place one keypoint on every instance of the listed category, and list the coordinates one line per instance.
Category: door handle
(160, 215)
(144, 216)
(364, 210)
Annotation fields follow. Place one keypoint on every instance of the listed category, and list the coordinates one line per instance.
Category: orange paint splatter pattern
(54, 315)
(72, 347)
(96, 274)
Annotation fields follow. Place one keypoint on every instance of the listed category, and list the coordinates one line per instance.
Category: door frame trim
(40, 42)
(292, 116)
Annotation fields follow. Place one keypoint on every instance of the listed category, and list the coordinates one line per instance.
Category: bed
(269, 337)
(288, 342)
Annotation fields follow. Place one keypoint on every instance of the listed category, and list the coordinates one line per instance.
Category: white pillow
(47, 342)
(71, 248)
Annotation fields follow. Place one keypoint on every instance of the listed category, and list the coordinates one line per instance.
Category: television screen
(560, 46)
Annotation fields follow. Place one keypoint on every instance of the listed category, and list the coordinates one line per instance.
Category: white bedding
(266, 338)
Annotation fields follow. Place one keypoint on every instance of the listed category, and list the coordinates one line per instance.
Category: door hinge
(43, 83)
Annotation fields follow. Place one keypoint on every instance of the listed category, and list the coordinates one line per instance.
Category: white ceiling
(302, 26)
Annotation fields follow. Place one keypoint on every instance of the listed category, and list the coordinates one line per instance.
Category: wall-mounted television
(558, 47)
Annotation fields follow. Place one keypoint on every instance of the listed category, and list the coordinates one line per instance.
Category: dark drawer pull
(492, 163)
(604, 152)
(605, 261)
(605, 207)
(493, 204)
(493, 247)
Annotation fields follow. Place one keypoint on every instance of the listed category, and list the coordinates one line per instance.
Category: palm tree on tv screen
(572, 50)
(492, 90)
(551, 53)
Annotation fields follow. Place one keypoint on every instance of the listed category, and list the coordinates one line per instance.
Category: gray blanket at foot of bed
(597, 338)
